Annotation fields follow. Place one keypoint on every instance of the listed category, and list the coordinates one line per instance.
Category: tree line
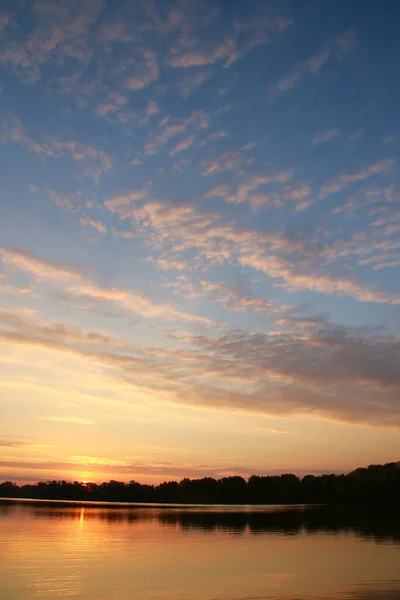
(376, 483)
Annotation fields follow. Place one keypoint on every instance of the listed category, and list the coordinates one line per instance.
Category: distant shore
(376, 483)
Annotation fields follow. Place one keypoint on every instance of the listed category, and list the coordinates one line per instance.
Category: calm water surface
(131, 553)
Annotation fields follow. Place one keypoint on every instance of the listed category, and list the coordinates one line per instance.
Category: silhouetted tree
(376, 483)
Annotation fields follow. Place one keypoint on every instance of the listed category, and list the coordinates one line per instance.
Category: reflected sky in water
(98, 553)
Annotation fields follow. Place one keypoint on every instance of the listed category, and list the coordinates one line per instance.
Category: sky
(199, 238)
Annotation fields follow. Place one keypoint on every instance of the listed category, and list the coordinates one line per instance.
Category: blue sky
(199, 236)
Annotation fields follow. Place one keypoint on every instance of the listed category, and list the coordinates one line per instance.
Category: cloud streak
(72, 420)
(279, 257)
(341, 45)
(331, 372)
(126, 300)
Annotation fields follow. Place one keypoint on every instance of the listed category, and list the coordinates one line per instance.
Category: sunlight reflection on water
(99, 552)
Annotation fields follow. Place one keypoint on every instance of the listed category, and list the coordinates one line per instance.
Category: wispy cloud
(78, 286)
(152, 109)
(235, 299)
(72, 420)
(39, 269)
(243, 37)
(251, 183)
(344, 180)
(112, 104)
(93, 161)
(232, 160)
(145, 73)
(325, 136)
(183, 145)
(192, 81)
(98, 461)
(122, 204)
(288, 81)
(21, 444)
(52, 33)
(342, 44)
(131, 301)
(279, 257)
(168, 131)
(273, 430)
(333, 372)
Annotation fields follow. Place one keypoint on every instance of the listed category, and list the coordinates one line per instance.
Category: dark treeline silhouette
(376, 483)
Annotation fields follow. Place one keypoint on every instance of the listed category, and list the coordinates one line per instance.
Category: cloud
(201, 57)
(145, 73)
(183, 145)
(130, 301)
(20, 444)
(302, 323)
(11, 444)
(112, 104)
(170, 131)
(295, 281)
(123, 204)
(98, 461)
(284, 372)
(94, 162)
(16, 290)
(167, 263)
(167, 131)
(285, 259)
(39, 269)
(98, 161)
(253, 182)
(346, 41)
(128, 469)
(240, 39)
(152, 109)
(29, 325)
(79, 286)
(62, 201)
(344, 180)
(192, 81)
(231, 160)
(334, 373)
(325, 136)
(216, 135)
(72, 420)
(5, 19)
(221, 190)
(72, 204)
(274, 430)
(316, 62)
(51, 32)
(86, 221)
(348, 374)
(341, 45)
(235, 299)
(299, 195)
(288, 81)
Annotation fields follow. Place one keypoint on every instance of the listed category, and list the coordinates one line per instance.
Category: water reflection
(376, 524)
(283, 553)
(375, 592)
